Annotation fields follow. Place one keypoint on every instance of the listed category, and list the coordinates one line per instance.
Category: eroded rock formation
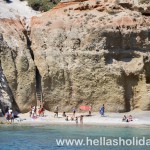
(88, 52)
(17, 64)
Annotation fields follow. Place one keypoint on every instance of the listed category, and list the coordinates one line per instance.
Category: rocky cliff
(17, 64)
(88, 52)
(17, 68)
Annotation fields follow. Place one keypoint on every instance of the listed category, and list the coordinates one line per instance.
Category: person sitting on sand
(130, 118)
(66, 118)
(64, 114)
(76, 120)
(72, 118)
(81, 119)
(124, 119)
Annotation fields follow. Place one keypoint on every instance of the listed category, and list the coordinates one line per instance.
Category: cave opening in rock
(38, 81)
(128, 82)
(120, 57)
(149, 34)
(147, 73)
(39, 95)
(148, 79)
(146, 13)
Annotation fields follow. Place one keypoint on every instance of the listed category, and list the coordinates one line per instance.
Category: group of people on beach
(75, 119)
(37, 110)
(127, 119)
(9, 115)
(67, 118)
(33, 113)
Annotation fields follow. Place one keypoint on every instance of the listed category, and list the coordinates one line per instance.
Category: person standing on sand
(7, 116)
(74, 112)
(41, 108)
(56, 111)
(90, 109)
(102, 110)
(12, 117)
(33, 112)
(30, 111)
(41, 111)
(81, 119)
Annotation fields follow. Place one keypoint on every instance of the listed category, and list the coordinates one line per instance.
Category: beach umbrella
(87, 108)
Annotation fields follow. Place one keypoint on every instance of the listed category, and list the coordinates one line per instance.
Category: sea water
(44, 137)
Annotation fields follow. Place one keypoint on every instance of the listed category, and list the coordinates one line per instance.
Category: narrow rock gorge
(78, 53)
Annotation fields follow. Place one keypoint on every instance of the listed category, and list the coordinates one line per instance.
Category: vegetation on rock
(144, 1)
(42, 5)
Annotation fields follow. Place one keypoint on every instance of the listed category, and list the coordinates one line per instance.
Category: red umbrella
(88, 108)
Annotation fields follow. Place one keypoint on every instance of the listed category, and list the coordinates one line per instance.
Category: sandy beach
(112, 119)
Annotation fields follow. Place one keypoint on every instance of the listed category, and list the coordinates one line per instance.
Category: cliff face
(89, 53)
(17, 65)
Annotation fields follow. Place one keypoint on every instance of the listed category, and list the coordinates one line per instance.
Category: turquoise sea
(44, 137)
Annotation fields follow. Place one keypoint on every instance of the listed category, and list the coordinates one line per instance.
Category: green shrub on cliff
(144, 1)
(8, 1)
(42, 5)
